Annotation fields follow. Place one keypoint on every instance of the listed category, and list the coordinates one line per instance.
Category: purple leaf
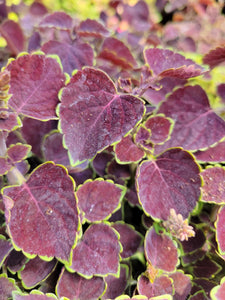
(35, 82)
(74, 56)
(74, 286)
(98, 199)
(215, 57)
(172, 181)
(221, 91)
(213, 189)
(5, 166)
(160, 251)
(218, 292)
(117, 171)
(213, 154)
(36, 210)
(34, 295)
(13, 34)
(162, 285)
(35, 271)
(5, 248)
(7, 285)
(166, 63)
(195, 243)
(182, 285)
(92, 28)
(58, 19)
(98, 252)
(117, 53)
(100, 115)
(126, 151)
(9, 121)
(220, 230)
(100, 162)
(34, 42)
(129, 239)
(18, 152)
(15, 261)
(196, 125)
(206, 268)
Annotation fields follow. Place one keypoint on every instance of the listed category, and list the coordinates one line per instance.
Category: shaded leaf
(220, 230)
(205, 267)
(92, 28)
(4, 166)
(7, 286)
(18, 152)
(171, 181)
(100, 115)
(98, 252)
(182, 285)
(59, 19)
(38, 208)
(215, 56)
(15, 261)
(35, 82)
(5, 248)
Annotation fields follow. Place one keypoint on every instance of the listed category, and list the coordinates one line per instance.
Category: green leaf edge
(216, 289)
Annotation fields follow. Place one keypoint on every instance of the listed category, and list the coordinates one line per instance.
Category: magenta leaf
(196, 125)
(5, 248)
(74, 56)
(171, 181)
(160, 251)
(14, 36)
(129, 239)
(76, 287)
(35, 271)
(58, 19)
(100, 115)
(98, 252)
(7, 286)
(92, 28)
(138, 297)
(38, 208)
(182, 285)
(9, 121)
(213, 190)
(35, 82)
(126, 151)
(220, 230)
(117, 53)
(18, 152)
(166, 63)
(5, 166)
(98, 199)
(215, 57)
(213, 154)
(218, 292)
(162, 285)
(143, 138)
(34, 295)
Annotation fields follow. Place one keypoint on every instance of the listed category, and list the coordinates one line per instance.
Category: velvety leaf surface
(182, 285)
(213, 189)
(213, 154)
(13, 34)
(166, 63)
(4, 166)
(117, 53)
(220, 230)
(116, 286)
(129, 239)
(196, 125)
(35, 82)
(92, 28)
(98, 252)
(98, 199)
(218, 292)
(126, 151)
(38, 208)
(160, 251)
(76, 287)
(142, 138)
(7, 285)
(117, 171)
(74, 56)
(5, 248)
(58, 19)
(206, 268)
(162, 285)
(215, 57)
(35, 271)
(100, 162)
(9, 120)
(100, 115)
(18, 152)
(15, 261)
(171, 181)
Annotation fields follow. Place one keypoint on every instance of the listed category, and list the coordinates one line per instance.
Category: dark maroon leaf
(213, 154)
(182, 285)
(53, 149)
(196, 125)
(213, 189)
(160, 251)
(129, 239)
(98, 252)
(13, 34)
(9, 121)
(38, 209)
(205, 284)
(98, 199)
(116, 286)
(199, 296)
(100, 162)
(195, 243)
(166, 63)
(35, 82)
(35, 271)
(81, 176)
(117, 171)
(76, 287)
(215, 56)
(117, 53)
(221, 91)
(5, 248)
(74, 56)
(205, 268)
(132, 196)
(171, 181)
(7, 285)
(15, 261)
(92, 28)
(162, 285)
(58, 19)
(126, 151)
(18, 152)
(100, 115)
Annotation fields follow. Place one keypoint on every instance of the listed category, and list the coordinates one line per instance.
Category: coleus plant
(112, 158)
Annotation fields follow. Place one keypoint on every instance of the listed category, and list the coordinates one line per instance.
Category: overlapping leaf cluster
(112, 152)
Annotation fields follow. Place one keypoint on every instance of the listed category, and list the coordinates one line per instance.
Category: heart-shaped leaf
(171, 181)
(100, 115)
(35, 82)
(98, 252)
(42, 216)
